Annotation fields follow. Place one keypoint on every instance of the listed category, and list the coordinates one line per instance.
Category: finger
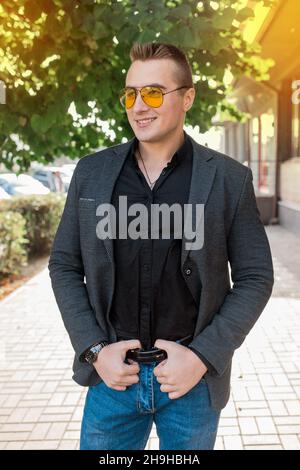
(159, 370)
(131, 361)
(128, 373)
(126, 382)
(174, 395)
(116, 387)
(168, 388)
(162, 363)
(131, 369)
(162, 379)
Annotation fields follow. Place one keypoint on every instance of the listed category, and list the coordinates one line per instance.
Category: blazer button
(188, 271)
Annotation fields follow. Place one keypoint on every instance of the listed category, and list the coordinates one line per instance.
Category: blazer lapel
(109, 173)
(203, 174)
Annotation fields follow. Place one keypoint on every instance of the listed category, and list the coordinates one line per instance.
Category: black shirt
(151, 298)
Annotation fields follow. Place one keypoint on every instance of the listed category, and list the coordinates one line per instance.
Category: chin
(144, 136)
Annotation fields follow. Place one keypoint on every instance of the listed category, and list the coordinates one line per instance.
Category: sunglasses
(151, 95)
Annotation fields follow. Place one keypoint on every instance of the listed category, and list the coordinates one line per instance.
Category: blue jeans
(122, 420)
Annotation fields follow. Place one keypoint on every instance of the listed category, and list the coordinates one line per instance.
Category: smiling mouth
(144, 122)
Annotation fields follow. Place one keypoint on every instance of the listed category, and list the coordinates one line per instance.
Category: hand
(181, 371)
(111, 367)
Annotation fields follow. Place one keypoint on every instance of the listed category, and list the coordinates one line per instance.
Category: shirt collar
(178, 156)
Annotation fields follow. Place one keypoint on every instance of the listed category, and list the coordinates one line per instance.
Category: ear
(189, 99)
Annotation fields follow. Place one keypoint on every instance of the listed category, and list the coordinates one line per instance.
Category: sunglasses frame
(136, 90)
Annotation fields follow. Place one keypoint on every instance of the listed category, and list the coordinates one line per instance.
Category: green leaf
(245, 13)
(100, 30)
(181, 12)
(36, 123)
(32, 10)
(224, 20)
(82, 108)
(41, 124)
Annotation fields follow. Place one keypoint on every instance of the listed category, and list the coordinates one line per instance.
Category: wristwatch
(92, 353)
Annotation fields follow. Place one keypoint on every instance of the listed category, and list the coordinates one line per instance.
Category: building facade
(269, 141)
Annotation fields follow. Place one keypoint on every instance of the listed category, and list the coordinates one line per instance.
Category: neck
(160, 151)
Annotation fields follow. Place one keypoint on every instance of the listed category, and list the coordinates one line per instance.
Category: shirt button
(188, 271)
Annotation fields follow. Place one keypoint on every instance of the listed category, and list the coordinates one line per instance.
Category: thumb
(132, 344)
(162, 344)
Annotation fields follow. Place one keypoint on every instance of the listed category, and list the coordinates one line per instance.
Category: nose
(139, 104)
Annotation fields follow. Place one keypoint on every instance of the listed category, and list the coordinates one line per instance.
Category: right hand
(111, 367)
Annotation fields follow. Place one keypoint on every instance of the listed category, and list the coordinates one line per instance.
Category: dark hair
(157, 50)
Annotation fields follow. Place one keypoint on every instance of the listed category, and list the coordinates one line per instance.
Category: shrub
(13, 253)
(27, 228)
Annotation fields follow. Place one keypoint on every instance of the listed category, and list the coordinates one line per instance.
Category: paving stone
(41, 406)
(266, 425)
(233, 443)
(261, 439)
(57, 430)
(219, 444)
(39, 431)
(277, 407)
(264, 447)
(248, 425)
(290, 441)
(67, 444)
(14, 445)
(41, 445)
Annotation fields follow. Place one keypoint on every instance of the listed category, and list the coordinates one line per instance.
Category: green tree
(59, 56)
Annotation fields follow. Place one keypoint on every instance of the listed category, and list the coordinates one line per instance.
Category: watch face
(92, 354)
(96, 349)
(90, 357)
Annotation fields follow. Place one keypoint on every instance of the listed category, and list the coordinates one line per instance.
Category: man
(155, 326)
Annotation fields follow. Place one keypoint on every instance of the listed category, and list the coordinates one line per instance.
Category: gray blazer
(81, 265)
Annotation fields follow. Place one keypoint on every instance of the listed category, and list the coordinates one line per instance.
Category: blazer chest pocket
(85, 202)
(87, 223)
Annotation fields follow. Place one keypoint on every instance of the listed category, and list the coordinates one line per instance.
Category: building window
(296, 130)
(263, 152)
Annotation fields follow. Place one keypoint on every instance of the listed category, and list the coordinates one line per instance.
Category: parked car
(55, 178)
(69, 167)
(21, 184)
(4, 194)
(8, 188)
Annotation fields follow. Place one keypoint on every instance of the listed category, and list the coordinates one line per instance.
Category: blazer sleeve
(210, 369)
(252, 278)
(67, 277)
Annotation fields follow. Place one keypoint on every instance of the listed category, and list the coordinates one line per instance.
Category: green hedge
(13, 253)
(40, 216)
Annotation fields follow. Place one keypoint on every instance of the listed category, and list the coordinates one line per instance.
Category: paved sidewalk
(41, 407)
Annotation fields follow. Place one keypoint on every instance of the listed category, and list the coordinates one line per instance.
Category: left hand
(181, 371)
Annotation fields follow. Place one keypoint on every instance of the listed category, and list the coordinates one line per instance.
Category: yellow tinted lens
(152, 96)
(129, 98)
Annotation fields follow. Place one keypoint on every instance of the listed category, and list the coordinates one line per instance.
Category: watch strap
(89, 350)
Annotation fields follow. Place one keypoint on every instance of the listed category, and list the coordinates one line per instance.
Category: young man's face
(170, 115)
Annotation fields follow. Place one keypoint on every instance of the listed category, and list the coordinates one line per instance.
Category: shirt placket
(146, 260)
